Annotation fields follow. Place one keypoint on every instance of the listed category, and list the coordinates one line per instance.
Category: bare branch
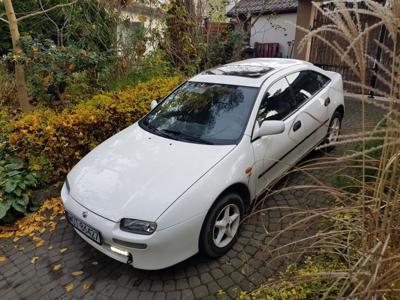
(4, 20)
(37, 13)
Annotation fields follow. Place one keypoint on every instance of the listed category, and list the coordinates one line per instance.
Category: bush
(7, 86)
(50, 68)
(153, 64)
(15, 184)
(60, 140)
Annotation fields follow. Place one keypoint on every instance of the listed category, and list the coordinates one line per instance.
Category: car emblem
(85, 214)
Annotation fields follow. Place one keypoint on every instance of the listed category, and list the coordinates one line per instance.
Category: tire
(211, 233)
(333, 131)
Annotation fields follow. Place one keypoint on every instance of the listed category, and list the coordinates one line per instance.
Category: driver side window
(277, 102)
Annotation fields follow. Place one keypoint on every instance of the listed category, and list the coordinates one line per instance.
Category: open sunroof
(251, 71)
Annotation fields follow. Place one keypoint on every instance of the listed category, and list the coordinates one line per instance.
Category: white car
(180, 180)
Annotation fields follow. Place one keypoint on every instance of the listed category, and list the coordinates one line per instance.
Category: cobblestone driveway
(244, 267)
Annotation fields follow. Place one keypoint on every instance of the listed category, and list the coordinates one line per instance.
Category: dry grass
(361, 229)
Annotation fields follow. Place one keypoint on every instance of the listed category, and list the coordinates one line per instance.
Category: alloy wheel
(334, 131)
(226, 225)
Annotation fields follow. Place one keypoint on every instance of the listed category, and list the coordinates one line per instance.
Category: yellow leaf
(142, 18)
(39, 241)
(50, 247)
(6, 234)
(87, 286)
(3, 258)
(77, 273)
(95, 263)
(69, 287)
(62, 250)
(34, 259)
(37, 167)
(57, 267)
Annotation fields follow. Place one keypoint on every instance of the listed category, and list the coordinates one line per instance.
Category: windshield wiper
(156, 131)
(186, 137)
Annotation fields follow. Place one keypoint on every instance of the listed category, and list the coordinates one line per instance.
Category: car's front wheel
(221, 227)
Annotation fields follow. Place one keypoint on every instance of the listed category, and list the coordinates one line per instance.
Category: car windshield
(204, 113)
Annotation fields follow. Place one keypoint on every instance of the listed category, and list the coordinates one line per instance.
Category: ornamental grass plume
(354, 253)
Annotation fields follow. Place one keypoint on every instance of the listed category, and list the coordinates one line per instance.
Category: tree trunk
(20, 81)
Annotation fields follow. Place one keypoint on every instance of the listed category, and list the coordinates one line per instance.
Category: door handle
(327, 101)
(297, 126)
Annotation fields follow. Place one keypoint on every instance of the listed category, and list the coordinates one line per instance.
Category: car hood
(136, 174)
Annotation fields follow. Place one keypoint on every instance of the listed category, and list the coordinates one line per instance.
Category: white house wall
(151, 24)
(279, 28)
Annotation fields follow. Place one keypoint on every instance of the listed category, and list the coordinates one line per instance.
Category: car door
(273, 154)
(311, 93)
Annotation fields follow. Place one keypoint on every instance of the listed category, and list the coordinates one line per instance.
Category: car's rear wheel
(221, 227)
(333, 131)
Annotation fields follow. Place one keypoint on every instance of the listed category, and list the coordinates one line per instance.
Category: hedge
(57, 141)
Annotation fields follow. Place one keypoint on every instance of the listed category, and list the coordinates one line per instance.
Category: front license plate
(85, 228)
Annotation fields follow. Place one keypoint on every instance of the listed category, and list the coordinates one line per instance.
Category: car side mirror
(269, 128)
(153, 104)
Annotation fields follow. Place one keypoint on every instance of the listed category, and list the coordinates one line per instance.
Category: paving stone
(206, 277)
(121, 293)
(182, 284)
(187, 294)
(157, 285)
(174, 295)
(194, 281)
(213, 287)
(225, 282)
(146, 296)
(160, 296)
(200, 291)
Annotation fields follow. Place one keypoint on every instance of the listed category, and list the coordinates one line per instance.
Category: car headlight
(138, 226)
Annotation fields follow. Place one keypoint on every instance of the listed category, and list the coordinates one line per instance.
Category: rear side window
(305, 85)
(277, 102)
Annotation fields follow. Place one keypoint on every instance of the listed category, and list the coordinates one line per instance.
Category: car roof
(250, 72)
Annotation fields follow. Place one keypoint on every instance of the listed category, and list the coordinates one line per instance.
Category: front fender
(198, 199)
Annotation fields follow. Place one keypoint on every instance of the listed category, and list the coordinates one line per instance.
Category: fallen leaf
(34, 259)
(3, 258)
(77, 273)
(56, 267)
(95, 263)
(62, 250)
(69, 287)
(6, 234)
(15, 239)
(87, 286)
(39, 241)
(50, 247)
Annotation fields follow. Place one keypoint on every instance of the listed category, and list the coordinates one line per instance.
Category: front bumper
(164, 248)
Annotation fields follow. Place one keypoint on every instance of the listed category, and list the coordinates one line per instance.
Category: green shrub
(50, 68)
(154, 64)
(16, 181)
(59, 140)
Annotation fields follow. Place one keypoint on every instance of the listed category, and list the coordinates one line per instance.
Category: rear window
(306, 84)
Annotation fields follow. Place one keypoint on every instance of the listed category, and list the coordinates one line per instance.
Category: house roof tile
(263, 6)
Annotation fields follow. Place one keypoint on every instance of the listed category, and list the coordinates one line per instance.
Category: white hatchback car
(181, 179)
